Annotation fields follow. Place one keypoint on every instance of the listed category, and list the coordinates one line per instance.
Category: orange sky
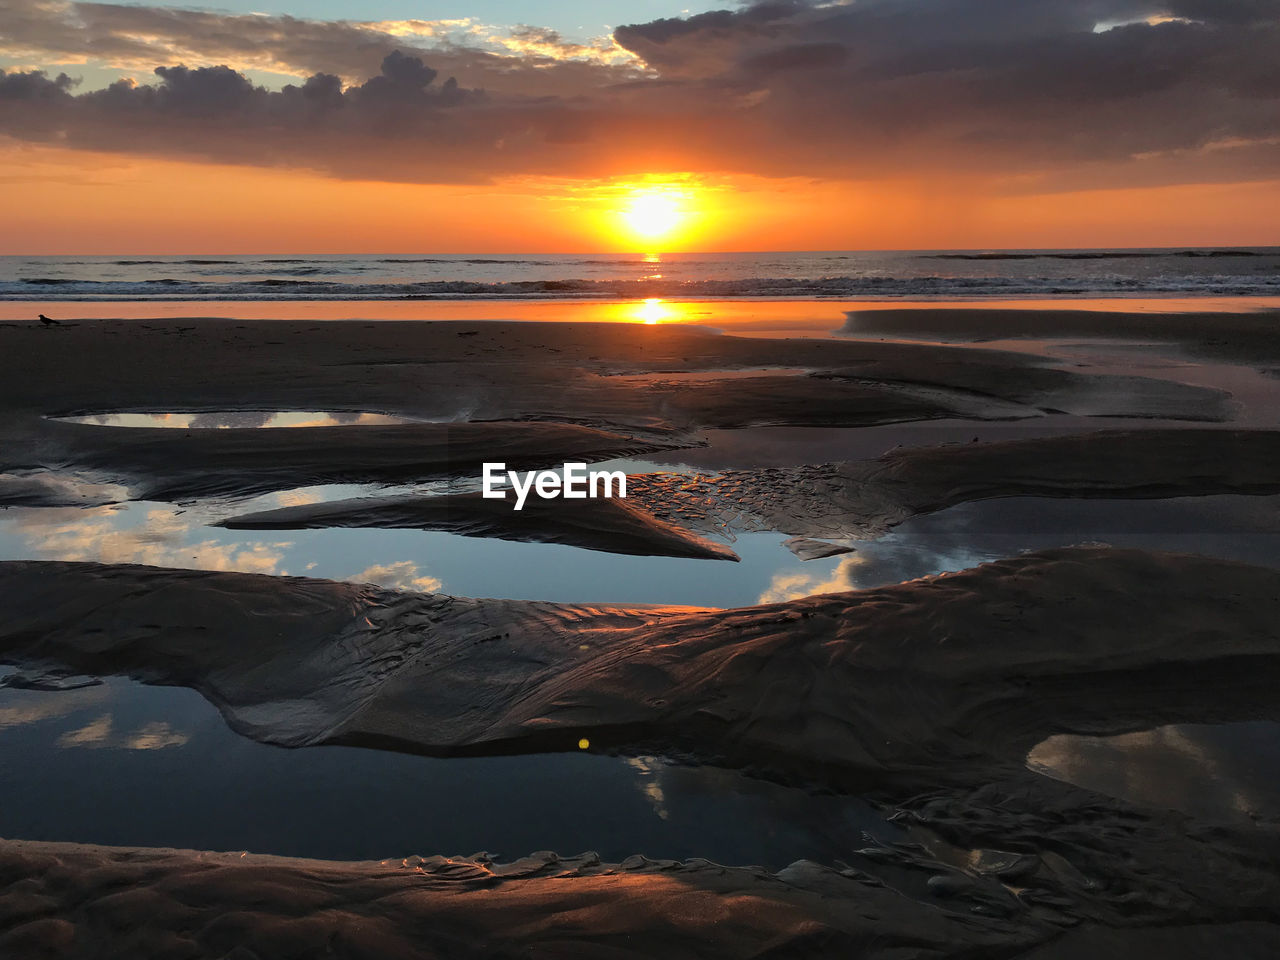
(62, 201)
(281, 126)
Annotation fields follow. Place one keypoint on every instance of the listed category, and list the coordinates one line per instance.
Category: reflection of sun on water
(652, 310)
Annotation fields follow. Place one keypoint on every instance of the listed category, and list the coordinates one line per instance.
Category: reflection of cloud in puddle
(401, 575)
(154, 736)
(230, 418)
(794, 585)
(48, 706)
(160, 540)
(1198, 769)
(649, 771)
(297, 498)
(92, 734)
(97, 734)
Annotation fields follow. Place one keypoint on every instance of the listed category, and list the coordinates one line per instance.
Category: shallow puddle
(162, 534)
(1240, 528)
(1232, 527)
(123, 763)
(1208, 770)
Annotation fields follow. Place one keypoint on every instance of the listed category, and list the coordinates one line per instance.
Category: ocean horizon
(923, 274)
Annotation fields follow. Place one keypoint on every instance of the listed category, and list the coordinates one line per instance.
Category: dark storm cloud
(1039, 92)
(802, 56)
(1176, 91)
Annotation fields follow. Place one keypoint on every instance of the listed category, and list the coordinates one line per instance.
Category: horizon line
(659, 253)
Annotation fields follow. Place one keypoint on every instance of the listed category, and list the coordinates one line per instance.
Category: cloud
(649, 772)
(401, 575)
(1203, 770)
(526, 41)
(1025, 94)
(136, 38)
(162, 539)
(34, 85)
(100, 734)
(794, 585)
(156, 735)
(46, 707)
(95, 733)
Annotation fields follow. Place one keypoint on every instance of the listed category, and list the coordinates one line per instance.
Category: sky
(488, 126)
(582, 19)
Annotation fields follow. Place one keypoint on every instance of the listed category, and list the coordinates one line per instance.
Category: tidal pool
(128, 764)
(1231, 527)
(124, 763)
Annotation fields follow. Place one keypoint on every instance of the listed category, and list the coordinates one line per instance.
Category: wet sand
(1245, 336)
(865, 499)
(185, 903)
(539, 393)
(300, 662)
(925, 697)
(861, 499)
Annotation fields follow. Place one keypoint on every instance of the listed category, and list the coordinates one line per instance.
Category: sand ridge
(611, 525)
(898, 680)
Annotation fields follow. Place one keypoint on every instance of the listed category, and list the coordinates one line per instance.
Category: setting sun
(652, 214)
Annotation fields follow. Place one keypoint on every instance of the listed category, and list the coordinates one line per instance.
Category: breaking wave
(822, 274)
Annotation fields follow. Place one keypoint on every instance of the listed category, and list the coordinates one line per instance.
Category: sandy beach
(922, 698)
(602, 480)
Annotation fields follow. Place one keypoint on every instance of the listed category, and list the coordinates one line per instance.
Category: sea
(914, 275)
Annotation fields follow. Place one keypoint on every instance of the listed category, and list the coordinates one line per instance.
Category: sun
(653, 213)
